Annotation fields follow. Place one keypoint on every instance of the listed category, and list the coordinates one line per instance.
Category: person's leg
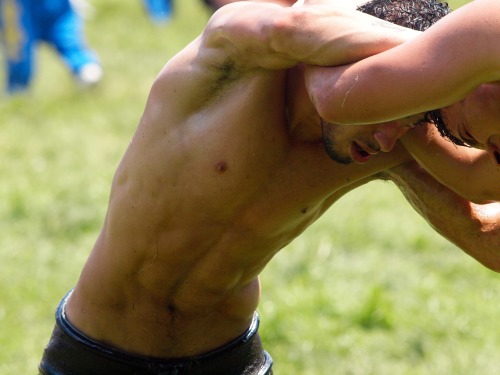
(18, 42)
(64, 30)
(160, 11)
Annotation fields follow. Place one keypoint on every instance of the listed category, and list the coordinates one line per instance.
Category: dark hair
(436, 118)
(414, 14)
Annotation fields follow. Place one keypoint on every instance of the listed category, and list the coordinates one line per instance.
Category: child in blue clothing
(25, 23)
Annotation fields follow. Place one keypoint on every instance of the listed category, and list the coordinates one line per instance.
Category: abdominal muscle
(177, 285)
(144, 306)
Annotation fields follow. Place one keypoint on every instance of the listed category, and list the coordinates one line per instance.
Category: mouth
(361, 153)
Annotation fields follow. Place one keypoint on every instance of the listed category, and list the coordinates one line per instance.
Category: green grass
(368, 289)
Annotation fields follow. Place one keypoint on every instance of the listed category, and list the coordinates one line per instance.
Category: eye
(468, 138)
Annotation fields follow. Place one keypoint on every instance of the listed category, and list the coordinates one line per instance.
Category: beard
(331, 146)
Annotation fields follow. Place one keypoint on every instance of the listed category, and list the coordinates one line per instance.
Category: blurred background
(369, 289)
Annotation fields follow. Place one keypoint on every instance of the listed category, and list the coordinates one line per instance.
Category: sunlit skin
(476, 120)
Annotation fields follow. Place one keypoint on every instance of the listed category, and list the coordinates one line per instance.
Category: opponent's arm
(270, 36)
(435, 69)
(472, 227)
(467, 171)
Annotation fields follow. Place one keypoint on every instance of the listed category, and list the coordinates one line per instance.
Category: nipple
(221, 166)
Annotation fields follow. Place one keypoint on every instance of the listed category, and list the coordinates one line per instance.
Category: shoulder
(240, 24)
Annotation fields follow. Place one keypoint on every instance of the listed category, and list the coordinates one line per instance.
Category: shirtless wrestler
(228, 166)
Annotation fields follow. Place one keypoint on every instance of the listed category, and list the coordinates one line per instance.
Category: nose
(388, 134)
(493, 149)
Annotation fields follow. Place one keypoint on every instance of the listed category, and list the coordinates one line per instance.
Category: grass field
(369, 289)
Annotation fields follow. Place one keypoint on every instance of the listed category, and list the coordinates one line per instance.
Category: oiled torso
(213, 184)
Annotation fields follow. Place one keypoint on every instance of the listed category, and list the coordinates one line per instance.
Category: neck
(304, 122)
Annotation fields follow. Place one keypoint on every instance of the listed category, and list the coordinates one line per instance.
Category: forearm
(467, 171)
(336, 35)
(473, 228)
(275, 37)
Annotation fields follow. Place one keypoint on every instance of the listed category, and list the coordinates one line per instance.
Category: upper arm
(274, 37)
(435, 69)
(246, 32)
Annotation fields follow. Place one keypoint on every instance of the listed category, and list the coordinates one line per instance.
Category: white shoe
(83, 8)
(89, 75)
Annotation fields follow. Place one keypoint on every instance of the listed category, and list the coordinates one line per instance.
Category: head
(413, 14)
(475, 121)
(346, 144)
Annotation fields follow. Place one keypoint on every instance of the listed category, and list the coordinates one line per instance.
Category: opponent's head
(474, 121)
(413, 14)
